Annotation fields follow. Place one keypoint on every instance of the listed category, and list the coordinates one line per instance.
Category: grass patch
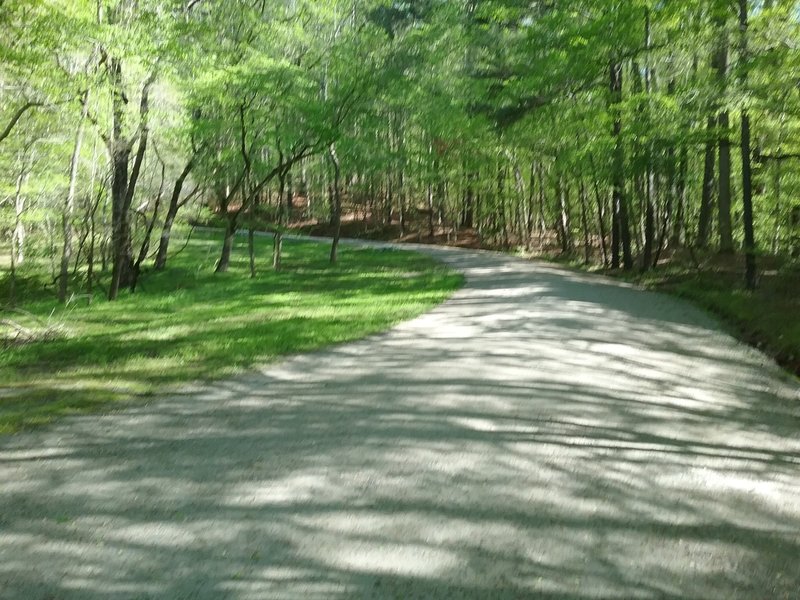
(188, 324)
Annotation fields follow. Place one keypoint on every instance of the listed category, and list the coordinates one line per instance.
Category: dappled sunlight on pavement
(542, 434)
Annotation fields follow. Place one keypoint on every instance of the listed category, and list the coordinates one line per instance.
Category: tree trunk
(587, 246)
(747, 178)
(69, 204)
(402, 201)
(172, 212)
(120, 221)
(277, 248)
(227, 245)
(501, 201)
(724, 198)
(289, 196)
(18, 233)
(649, 222)
(542, 200)
(723, 124)
(564, 227)
(145, 247)
(621, 236)
(650, 179)
(251, 246)
(468, 214)
(389, 199)
(747, 197)
(707, 198)
(678, 236)
(337, 204)
(530, 207)
(601, 212)
(123, 186)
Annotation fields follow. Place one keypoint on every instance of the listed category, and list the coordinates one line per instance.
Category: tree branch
(17, 116)
(758, 157)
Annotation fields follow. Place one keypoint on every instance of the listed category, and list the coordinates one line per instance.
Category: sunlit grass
(188, 324)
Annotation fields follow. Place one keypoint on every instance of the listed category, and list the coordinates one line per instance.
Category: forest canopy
(627, 128)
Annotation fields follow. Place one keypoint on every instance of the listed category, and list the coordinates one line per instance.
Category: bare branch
(17, 116)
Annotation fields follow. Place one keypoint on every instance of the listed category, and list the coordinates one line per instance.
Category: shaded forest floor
(768, 319)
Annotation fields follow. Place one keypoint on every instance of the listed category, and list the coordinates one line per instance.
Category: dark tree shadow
(541, 435)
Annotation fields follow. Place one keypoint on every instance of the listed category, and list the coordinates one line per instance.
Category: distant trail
(542, 434)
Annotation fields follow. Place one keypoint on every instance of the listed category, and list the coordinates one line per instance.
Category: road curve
(542, 434)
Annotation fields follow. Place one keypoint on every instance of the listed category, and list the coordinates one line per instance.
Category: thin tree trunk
(251, 246)
(542, 200)
(69, 204)
(707, 198)
(501, 200)
(601, 212)
(289, 196)
(227, 245)
(172, 212)
(531, 206)
(402, 200)
(145, 247)
(468, 218)
(562, 192)
(723, 123)
(18, 233)
(724, 198)
(650, 179)
(337, 204)
(389, 199)
(277, 248)
(587, 245)
(430, 199)
(621, 236)
(124, 187)
(679, 213)
(747, 179)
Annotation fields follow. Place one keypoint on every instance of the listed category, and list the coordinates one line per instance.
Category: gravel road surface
(543, 434)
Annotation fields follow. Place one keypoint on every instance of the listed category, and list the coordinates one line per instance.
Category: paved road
(541, 435)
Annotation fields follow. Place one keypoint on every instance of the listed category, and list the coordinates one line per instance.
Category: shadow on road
(540, 435)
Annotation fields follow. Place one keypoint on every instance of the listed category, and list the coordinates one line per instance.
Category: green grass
(188, 324)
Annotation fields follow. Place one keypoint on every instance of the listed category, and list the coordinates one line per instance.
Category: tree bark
(277, 248)
(707, 198)
(16, 117)
(564, 227)
(587, 246)
(747, 178)
(289, 196)
(724, 197)
(145, 247)
(337, 204)
(227, 245)
(169, 220)
(678, 236)
(124, 186)
(621, 236)
(69, 203)
(723, 124)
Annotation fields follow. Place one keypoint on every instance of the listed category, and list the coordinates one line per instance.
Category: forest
(399, 299)
(619, 131)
